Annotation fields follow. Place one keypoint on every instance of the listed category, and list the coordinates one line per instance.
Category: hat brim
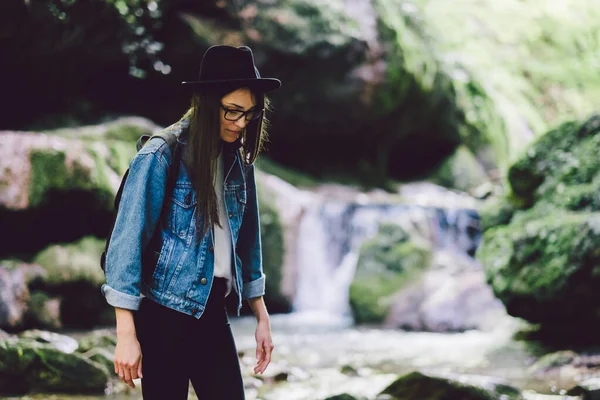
(261, 84)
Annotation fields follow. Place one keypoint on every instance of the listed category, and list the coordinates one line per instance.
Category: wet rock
(587, 390)
(343, 396)
(63, 343)
(349, 370)
(28, 365)
(417, 386)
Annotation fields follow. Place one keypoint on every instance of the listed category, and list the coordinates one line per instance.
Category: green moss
(416, 386)
(50, 172)
(78, 261)
(536, 263)
(121, 154)
(386, 264)
(343, 396)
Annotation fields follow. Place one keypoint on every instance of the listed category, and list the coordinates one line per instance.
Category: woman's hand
(128, 353)
(264, 345)
(128, 359)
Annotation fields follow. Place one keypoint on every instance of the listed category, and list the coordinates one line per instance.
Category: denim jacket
(183, 274)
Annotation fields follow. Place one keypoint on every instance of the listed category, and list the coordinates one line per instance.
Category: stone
(63, 343)
(542, 258)
(14, 296)
(418, 386)
(28, 365)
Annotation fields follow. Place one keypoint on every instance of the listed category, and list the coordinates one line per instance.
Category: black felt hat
(231, 66)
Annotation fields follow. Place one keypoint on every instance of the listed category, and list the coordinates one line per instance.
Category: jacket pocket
(183, 206)
(163, 260)
(242, 198)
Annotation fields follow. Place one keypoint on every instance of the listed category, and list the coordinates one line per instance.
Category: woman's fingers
(265, 357)
(139, 370)
(127, 377)
(259, 352)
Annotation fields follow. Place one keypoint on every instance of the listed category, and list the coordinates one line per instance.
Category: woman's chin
(229, 139)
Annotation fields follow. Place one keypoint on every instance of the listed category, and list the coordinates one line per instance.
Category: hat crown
(228, 63)
(227, 66)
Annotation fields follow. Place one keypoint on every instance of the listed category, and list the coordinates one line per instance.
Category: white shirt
(222, 235)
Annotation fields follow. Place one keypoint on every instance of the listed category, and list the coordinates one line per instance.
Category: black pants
(178, 348)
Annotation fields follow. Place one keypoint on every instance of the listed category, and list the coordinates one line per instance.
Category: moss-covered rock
(74, 274)
(27, 365)
(60, 182)
(544, 261)
(386, 264)
(343, 396)
(417, 386)
(74, 262)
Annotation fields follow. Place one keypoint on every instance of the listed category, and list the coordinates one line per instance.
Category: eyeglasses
(235, 115)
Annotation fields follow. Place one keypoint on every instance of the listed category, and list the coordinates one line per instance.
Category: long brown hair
(204, 145)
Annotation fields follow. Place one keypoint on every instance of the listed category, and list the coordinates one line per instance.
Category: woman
(172, 327)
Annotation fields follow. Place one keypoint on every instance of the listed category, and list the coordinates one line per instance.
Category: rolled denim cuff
(255, 288)
(120, 299)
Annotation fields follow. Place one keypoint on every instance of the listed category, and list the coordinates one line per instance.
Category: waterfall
(329, 239)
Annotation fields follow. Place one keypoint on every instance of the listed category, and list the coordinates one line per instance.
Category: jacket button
(211, 249)
(203, 281)
(231, 215)
(194, 310)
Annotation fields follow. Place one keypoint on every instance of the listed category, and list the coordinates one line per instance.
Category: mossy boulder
(28, 365)
(386, 264)
(60, 186)
(418, 386)
(74, 275)
(544, 261)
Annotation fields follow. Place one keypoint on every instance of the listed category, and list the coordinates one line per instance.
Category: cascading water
(330, 236)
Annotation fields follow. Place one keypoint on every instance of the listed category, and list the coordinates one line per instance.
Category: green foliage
(507, 83)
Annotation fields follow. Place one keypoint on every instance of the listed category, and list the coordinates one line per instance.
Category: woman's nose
(241, 123)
